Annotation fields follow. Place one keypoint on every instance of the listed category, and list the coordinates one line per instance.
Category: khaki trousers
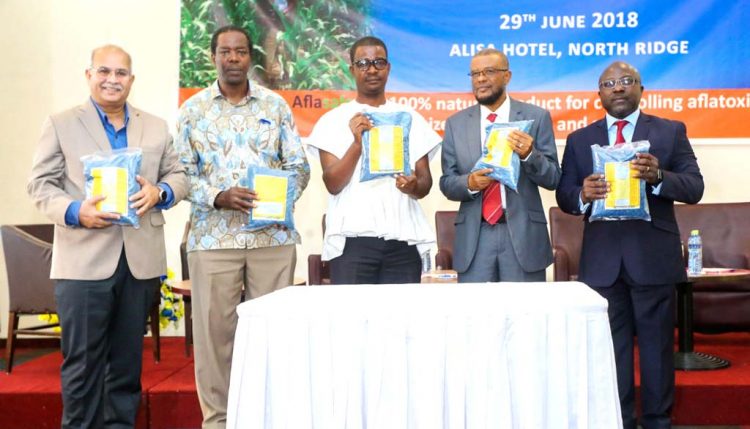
(218, 278)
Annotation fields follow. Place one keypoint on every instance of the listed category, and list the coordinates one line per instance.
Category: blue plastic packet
(275, 189)
(385, 147)
(498, 155)
(112, 174)
(627, 197)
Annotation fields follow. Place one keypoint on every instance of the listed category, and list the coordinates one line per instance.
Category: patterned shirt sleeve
(189, 151)
(293, 153)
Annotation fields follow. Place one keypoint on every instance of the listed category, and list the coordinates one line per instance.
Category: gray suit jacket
(57, 180)
(524, 213)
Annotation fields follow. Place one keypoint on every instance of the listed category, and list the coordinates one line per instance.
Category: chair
(445, 229)
(566, 232)
(718, 307)
(318, 270)
(28, 259)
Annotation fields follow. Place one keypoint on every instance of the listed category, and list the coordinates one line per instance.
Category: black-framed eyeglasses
(488, 72)
(364, 64)
(624, 81)
(104, 72)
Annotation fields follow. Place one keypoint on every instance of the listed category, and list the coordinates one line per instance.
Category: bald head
(620, 89)
(110, 76)
(620, 67)
(106, 49)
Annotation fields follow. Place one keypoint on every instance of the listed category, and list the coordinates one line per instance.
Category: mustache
(115, 86)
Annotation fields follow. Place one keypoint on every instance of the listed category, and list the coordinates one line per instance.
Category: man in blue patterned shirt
(222, 130)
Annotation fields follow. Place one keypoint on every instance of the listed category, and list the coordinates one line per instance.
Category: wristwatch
(659, 175)
(162, 195)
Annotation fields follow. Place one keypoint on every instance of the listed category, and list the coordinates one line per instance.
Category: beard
(490, 99)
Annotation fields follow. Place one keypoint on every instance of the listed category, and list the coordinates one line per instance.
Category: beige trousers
(218, 278)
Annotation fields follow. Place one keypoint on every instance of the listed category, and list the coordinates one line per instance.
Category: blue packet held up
(498, 155)
(385, 147)
(627, 198)
(112, 174)
(275, 189)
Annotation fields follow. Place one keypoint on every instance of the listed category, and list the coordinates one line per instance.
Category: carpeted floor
(30, 396)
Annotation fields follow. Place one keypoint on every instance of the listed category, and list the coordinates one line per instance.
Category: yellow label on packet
(625, 190)
(271, 203)
(111, 182)
(499, 152)
(387, 149)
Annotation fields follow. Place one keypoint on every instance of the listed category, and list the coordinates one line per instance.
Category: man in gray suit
(501, 234)
(106, 275)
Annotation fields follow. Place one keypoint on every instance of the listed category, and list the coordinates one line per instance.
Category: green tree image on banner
(297, 44)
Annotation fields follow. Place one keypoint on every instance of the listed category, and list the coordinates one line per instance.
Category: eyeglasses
(624, 81)
(364, 64)
(488, 72)
(104, 72)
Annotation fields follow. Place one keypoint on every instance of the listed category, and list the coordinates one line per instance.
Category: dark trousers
(372, 260)
(648, 313)
(103, 322)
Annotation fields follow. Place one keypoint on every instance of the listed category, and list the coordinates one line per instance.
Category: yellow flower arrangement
(171, 308)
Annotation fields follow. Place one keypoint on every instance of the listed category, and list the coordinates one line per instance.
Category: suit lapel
(515, 113)
(90, 119)
(135, 127)
(642, 128)
(473, 136)
(602, 134)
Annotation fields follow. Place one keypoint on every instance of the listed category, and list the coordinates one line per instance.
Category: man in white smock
(375, 229)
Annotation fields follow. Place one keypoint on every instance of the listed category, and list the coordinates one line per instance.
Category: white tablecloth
(502, 355)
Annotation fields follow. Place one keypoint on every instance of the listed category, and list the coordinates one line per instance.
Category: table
(440, 276)
(686, 358)
(493, 355)
(184, 288)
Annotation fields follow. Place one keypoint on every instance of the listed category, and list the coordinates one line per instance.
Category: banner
(693, 55)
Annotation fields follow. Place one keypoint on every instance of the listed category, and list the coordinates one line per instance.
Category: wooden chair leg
(155, 332)
(10, 343)
(187, 302)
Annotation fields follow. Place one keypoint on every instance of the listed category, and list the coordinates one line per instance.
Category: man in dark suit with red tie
(634, 264)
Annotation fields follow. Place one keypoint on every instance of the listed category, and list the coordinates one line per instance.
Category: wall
(46, 46)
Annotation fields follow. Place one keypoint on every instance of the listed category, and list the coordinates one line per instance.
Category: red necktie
(492, 201)
(620, 125)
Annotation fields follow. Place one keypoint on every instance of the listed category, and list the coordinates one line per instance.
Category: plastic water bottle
(695, 253)
(426, 262)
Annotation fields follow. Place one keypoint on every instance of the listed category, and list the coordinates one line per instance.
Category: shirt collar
(631, 118)
(103, 116)
(502, 112)
(252, 92)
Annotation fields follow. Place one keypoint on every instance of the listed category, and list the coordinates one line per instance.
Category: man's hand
(478, 180)
(236, 198)
(647, 167)
(359, 123)
(146, 198)
(90, 217)
(521, 143)
(594, 188)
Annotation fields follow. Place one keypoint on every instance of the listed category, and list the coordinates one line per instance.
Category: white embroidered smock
(374, 208)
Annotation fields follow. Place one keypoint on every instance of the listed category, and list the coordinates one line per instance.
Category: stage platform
(30, 395)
